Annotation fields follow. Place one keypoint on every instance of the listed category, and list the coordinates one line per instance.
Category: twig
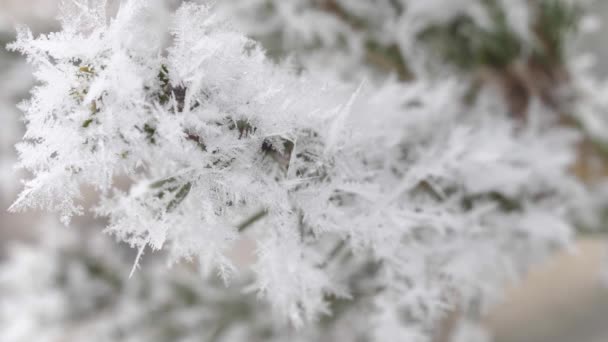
(251, 220)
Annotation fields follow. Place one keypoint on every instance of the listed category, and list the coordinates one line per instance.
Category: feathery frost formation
(14, 84)
(400, 199)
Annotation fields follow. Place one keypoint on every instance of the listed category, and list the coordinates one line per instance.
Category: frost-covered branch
(398, 198)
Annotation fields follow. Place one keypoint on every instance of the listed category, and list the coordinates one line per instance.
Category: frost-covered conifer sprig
(523, 49)
(14, 84)
(394, 202)
(70, 286)
(406, 36)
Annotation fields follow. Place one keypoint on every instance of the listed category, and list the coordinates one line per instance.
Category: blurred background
(562, 300)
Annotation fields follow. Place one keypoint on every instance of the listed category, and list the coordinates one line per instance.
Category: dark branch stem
(333, 254)
(251, 220)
